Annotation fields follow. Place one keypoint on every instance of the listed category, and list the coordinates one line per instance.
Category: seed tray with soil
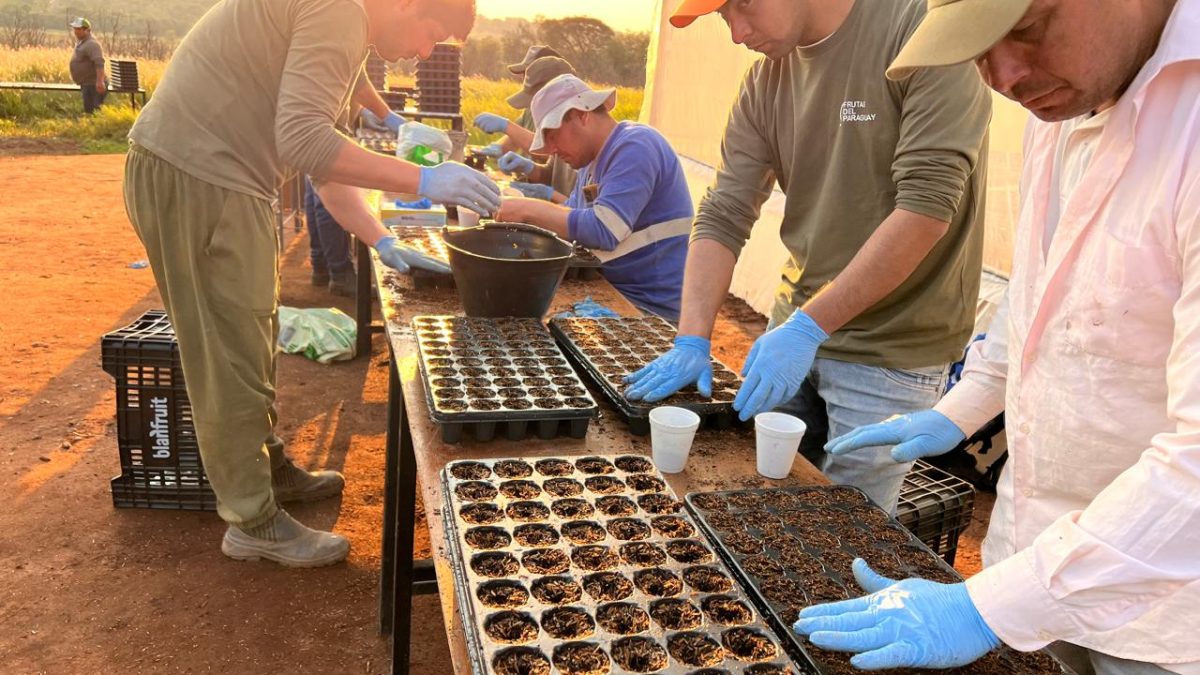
(609, 349)
(480, 353)
(793, 547)
(643, 571)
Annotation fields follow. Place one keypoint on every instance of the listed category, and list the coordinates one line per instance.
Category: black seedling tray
(506, 375)
(559, 500)
(609, 349)
(428, 240)
(384, 146)
(792, 547)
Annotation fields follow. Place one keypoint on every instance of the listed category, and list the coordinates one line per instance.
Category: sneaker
(285, 541)
(320, 278)
(344, 283)
(290, 483)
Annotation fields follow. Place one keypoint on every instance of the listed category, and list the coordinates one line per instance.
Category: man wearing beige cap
(882, 223)
(498, 124)
(1094, 540)
(631, 204)
(554, 179)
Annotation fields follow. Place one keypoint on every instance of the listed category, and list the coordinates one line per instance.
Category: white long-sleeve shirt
(1095, 359)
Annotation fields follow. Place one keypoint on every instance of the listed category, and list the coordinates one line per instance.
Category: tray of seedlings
(608, 349)
(584, 265)
(793, 547)
(503, 376)
(590, 565)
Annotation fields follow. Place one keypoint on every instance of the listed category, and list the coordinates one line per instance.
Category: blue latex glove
(404, 259)
(494, 151)
(913, 623)
(688, 362)
(393, 121)
(778, 363)
(534, 190)
(459, 184)
(511, 162)
(921, 434)
(372, 121)
(491, 123)
(588, 308)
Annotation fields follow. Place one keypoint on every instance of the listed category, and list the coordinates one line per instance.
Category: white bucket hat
(561, 95)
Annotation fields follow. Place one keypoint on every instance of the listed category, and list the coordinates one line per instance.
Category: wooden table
(416, 457)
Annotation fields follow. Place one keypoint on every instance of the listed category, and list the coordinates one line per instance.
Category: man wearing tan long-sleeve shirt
(257, 86)
(883, 223)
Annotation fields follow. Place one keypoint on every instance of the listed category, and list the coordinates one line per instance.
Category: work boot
(320, 277)
(285, 541)
(290, 483)
(344, 283)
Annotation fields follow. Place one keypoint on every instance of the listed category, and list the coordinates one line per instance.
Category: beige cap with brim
(560, 96)
(956, 31)
(537, 75)
(535, 52)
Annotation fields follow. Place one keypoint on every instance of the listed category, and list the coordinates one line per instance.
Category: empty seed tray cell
(609, 349)
(590, 565)
(499, 375)
(793, 547)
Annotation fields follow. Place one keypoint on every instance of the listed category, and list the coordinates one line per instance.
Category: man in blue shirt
(630, 204)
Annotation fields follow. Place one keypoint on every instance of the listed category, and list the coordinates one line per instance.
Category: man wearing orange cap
(883, 223)
(1094, 543)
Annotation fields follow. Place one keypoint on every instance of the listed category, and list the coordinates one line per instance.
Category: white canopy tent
(691, 80)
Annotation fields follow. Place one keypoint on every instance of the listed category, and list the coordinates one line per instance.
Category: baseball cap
(688, 10)
(561, 95)
(80, 22)
(537, 75)
(956, 31)
(535, 52)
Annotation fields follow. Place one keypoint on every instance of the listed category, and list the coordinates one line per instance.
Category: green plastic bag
(323, 335)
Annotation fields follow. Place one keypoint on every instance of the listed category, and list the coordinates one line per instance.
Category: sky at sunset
(630, 15)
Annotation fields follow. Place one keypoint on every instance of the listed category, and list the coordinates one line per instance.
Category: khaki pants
(214, 253)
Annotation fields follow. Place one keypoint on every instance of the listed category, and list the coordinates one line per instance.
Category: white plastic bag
(423, 144)
(323, 335)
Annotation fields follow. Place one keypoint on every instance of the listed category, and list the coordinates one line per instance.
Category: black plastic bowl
(506, 269)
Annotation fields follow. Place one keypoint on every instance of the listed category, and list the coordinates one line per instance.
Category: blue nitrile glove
(494, 151)
(511, 162)
(921, 434)
(394, 121)
(534, 190)
(688, 362)
(404, 259)
(778, 363)
(371, 121)
(491, 123)
(913, 623)
(588, 308)
(459, 184)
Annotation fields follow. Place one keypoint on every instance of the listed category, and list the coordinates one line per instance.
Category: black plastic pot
(506, 269)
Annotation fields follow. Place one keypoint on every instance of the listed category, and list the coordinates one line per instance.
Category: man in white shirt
(1095, 539)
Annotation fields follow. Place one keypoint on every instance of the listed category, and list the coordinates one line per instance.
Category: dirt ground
(93, 589)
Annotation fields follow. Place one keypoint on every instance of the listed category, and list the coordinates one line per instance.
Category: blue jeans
(839, 396)
(329, 244)
(92, 99)
(1088, 662)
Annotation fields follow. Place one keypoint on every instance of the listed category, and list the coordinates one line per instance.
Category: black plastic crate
(160, 458)
(608, 349)
(507, 376)
(793, 547)
(936, 507)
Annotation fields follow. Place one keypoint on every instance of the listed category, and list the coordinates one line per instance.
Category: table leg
(387, 573)
(406, 510)
(362, 311)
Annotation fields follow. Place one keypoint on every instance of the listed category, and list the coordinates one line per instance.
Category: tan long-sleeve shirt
(848, 147)
(257, 86)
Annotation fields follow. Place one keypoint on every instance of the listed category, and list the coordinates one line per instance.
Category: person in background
(630, 205)
(883, 223)
(1093, 544)
(207, 155)
(87, 66)
(497, 124)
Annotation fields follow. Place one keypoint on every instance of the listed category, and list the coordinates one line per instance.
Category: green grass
(59, 116)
